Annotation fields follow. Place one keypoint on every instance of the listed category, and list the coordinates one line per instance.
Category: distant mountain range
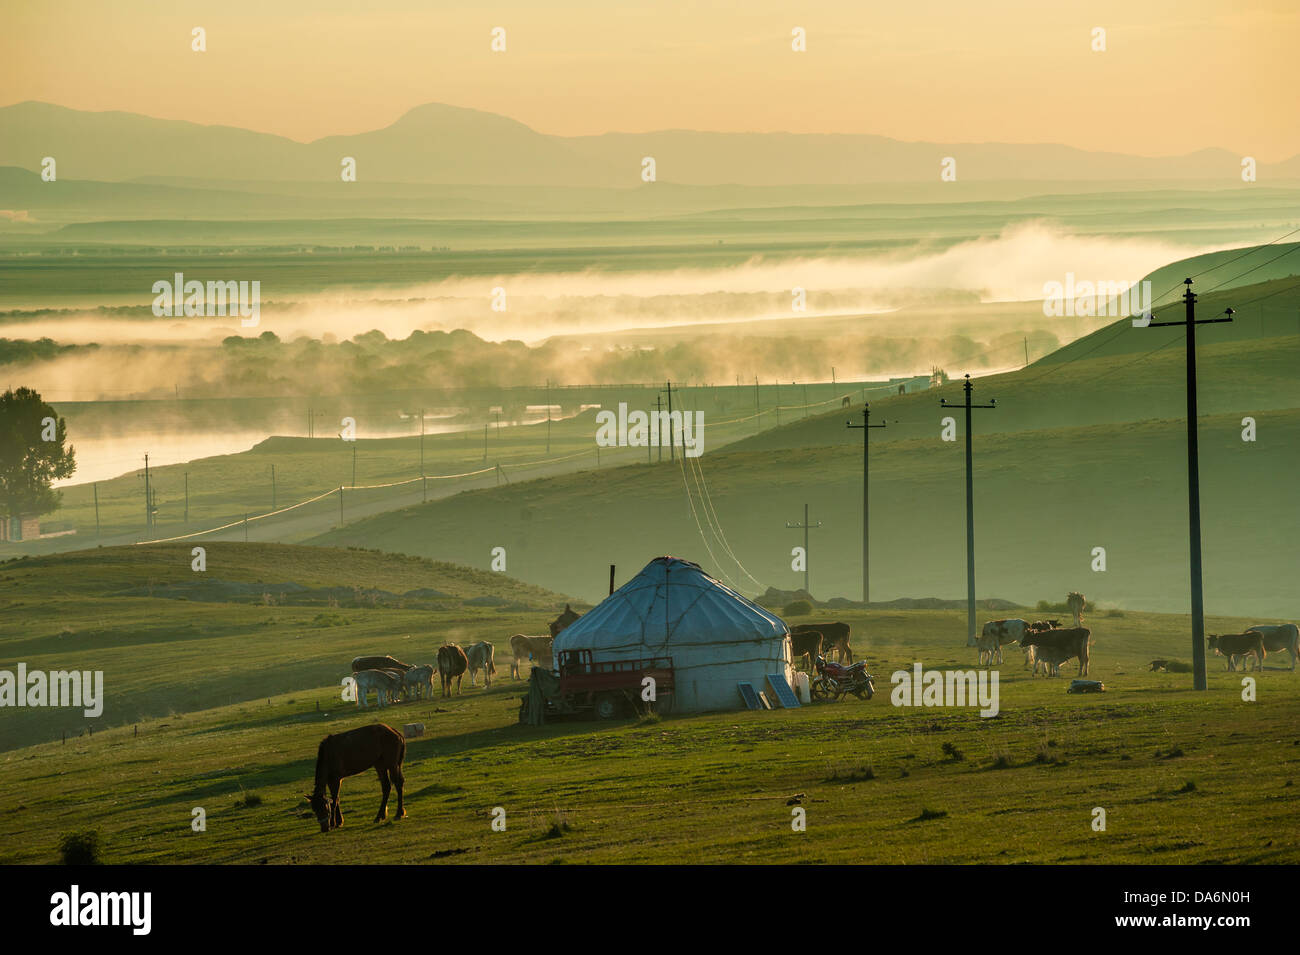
(439, 144)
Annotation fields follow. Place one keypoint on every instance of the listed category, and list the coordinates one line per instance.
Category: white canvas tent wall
(716, 637)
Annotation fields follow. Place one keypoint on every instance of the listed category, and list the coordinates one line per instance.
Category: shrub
(322, 620)
(80, 848)
(797, 608)
(951, 751)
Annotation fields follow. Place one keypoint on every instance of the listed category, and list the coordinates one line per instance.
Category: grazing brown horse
(452, 664)
(346, 754)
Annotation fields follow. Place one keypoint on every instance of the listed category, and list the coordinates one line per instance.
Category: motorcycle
(834, 680)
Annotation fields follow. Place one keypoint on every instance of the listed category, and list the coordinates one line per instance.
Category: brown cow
(563, 620)
(835, 636)
(452, 664)
(1051, 658)
(379, 663)
(806, 644)
(1280, 637)
(1072, 641)
(1232, 644)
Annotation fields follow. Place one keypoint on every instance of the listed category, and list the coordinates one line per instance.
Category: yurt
(715, 637)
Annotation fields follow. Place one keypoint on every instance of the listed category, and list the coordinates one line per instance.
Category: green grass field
(225, 710)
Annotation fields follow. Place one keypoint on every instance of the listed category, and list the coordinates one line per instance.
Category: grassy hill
(1174, 769)
(170, 640)
(1263, 309)
(1083, 455)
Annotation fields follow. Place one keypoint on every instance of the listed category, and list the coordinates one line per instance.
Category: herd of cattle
(1045, 643)
(390, 679)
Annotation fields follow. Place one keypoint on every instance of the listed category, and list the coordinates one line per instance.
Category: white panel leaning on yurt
(716, 637)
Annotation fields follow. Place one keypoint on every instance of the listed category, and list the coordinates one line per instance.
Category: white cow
(419, 679)
(996, 633)
(480, 657)
(988, 646)
(386, 686)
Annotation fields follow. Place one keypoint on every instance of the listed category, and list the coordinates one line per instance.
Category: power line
(708, 498)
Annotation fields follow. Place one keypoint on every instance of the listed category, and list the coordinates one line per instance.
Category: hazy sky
(1177, 75)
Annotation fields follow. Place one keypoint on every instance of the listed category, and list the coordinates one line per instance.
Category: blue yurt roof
(671, 602)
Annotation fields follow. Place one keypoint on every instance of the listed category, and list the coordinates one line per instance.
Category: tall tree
(33, 454)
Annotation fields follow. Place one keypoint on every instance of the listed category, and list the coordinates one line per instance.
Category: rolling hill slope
(170, 640)
(1089, 454)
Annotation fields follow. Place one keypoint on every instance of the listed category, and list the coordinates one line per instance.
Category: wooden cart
(612, 688)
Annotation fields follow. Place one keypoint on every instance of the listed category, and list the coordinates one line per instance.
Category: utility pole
(659, 407)
(148, 496)
(806, 527)
(1026, 349)
(805, 400)
(548, 416)
(422, 444)
(272, 487)
(672, 434)
(1189, 322)
(866, 427)
(970, 506)
(778, 402)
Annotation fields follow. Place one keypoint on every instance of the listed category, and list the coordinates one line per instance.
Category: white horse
(385, 686)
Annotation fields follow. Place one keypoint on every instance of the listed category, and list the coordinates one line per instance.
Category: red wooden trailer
(608, 689)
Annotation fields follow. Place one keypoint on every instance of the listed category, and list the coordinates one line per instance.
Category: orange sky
(1178, 75)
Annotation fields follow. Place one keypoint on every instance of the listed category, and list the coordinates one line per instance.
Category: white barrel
(801, 686)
